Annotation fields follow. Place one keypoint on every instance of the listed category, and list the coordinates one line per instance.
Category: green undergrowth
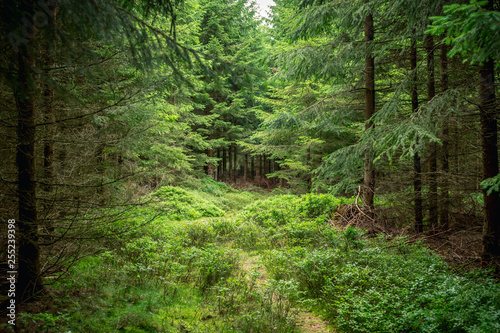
(172, 204)
(187, 276)
(208, 199)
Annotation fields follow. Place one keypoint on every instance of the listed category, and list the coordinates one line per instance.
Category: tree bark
(235, 157)
(275, 169)
(218, 166)
(264, 166)
(417, 178)
(487, 101)
(260, 169)
(48, 146)
(252, 168)
(431, 92)
(245, 170)
(29, 284)
(224, 165)
(369, 170)
(230, 158)
(445, 184)
(269, 164)
(210, 166)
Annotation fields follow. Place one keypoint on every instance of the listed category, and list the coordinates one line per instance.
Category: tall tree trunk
(29, 283)
(369, 172)
(230, 158)
(48, 151)
(235, 157)
(218, 166)
(264, 166)
(275, 169)
(252, 168)
(487, 101)
(245, 170)
(261, 169)
(224, 165)
(431, 92)
(210, 166)
(445, 184)
(417, 178)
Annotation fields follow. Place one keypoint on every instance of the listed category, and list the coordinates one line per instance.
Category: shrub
(181, 204)
(272, 212)
(214, 264)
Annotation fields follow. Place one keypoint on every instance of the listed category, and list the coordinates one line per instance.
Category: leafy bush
(215, 264)
(272, 212)
(181, 204)
(210, 186)
(252, 310)
(283, 209)
(161, 278)
(313, 205)
(381, 288)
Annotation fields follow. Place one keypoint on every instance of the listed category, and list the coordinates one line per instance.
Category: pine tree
(44, 46)
(471, 31)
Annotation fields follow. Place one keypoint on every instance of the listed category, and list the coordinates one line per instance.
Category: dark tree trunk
(275, 169)
(445, 185)
(29, 283)
(269, 165)
(235, 157)
(264, 167)
(218, 166)
(230, 158)
(224, 165)
(245, 170)
(431, 92)
(48, 148)
(210, 166)
(487, 100)
(369, 172)
(260, 169)
(417, 178)
(252, 168)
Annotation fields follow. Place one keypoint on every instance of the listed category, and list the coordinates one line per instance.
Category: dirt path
(306, 321)
(310, 323)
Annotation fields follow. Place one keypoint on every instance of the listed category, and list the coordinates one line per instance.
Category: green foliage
(272, 212)
(388, 287)
(491, 184)
(218, 189)
(181, 204)
(45, 322)
(282, 209)
(188, 275)
(471, 29)
(215, 264)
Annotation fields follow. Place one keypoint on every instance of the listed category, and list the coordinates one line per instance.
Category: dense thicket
(432, 129)
(103, 101)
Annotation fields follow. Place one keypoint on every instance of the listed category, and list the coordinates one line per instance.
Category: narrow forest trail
(306, 321)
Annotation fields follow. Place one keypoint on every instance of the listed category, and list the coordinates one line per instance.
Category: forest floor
(250, 262)
(306, 321)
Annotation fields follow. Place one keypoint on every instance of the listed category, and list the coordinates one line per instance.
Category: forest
(224, 166)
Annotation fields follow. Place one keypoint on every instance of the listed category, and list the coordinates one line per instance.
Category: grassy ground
(207, 265)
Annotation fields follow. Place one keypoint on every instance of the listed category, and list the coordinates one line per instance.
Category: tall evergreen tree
(70, 33)
(471, 31)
